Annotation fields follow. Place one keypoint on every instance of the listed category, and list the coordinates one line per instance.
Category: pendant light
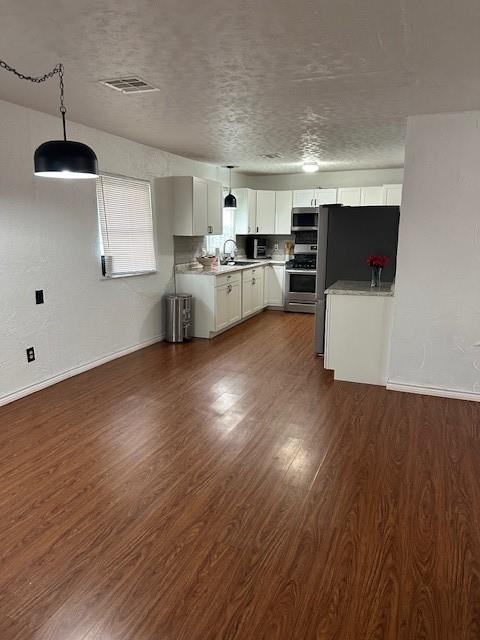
(230, 201)
(60, 158)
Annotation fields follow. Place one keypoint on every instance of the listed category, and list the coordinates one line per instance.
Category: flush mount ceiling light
(230, 201)
(60, 158)
(310, 167)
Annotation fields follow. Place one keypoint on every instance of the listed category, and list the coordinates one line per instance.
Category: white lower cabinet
(274, 285)
(228, 305)
(220, 301)
(252, 291)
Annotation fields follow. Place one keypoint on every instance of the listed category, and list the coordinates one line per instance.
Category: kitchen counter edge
(216, 271)
(360, 288)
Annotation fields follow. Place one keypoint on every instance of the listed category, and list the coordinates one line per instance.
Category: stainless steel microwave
(304, 219)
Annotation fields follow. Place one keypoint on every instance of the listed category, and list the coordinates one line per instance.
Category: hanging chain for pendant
(57, 69)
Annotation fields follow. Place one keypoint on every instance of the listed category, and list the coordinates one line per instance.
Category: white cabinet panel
(252, 291)
(247, 294)
(246, 211)
(197, 205)
(325, 196)
(304, 198)
(257, 287)
(221, 307)
(393, 194)
(372, 196)
(215, 208)
(349, 196)
(283, 212)
(200, 207)
(227, 305)
(265, 212)
(275, 285)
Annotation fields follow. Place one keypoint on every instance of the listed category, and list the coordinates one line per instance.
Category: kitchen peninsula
(357, 331)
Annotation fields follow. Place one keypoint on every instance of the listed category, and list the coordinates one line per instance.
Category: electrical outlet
(39, 299)
(30, 354)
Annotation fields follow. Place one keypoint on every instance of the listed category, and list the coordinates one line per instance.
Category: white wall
(49, 240)
(437, 295)
(361, 178)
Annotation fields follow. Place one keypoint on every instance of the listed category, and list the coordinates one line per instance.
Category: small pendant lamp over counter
(60, 158)
(230, 201)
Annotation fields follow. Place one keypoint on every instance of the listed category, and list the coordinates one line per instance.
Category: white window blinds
(126, 225)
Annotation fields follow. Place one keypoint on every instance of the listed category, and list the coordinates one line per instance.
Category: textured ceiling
(330, 79)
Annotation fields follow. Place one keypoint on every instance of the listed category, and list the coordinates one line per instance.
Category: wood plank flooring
(230, 489)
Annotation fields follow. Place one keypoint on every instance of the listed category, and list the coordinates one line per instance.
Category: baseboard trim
(70, 373)
(434, 391)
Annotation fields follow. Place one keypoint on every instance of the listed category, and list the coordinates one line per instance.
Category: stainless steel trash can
(179, 317)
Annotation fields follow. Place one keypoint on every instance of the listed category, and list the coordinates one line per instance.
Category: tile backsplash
(187, 248)
(275, 245)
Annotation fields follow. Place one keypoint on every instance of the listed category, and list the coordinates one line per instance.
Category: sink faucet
(224, 259)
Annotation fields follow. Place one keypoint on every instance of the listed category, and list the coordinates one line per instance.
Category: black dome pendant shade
(230, 201)
(60, 158)
(65, 159)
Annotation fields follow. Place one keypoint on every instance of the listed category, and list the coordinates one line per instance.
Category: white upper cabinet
(349, 196)
(214, 208)
(372, 196)
(283, 212)
(304, 198)
(246, 211)
(265, 223)
(325, 196)
(393, 194)
(197, 206)
(314, 197)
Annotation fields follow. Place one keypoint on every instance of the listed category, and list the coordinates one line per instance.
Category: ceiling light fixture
(60, 158)
(230, 201)
(310, 167)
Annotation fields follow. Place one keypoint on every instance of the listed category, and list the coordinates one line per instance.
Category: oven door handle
(309, 272)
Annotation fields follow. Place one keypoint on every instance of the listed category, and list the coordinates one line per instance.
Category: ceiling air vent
(271, 156)
(129, 84)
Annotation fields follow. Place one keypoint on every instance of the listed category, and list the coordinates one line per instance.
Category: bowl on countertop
(207, 261)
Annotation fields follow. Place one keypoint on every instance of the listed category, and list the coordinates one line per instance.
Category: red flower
(377, 261)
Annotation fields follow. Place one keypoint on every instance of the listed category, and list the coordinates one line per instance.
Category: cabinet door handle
(249, 229)
(257, 229)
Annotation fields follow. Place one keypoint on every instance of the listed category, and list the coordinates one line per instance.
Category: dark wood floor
(230, 489)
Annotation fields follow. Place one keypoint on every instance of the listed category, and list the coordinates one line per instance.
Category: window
(126, 226)
(214, 242)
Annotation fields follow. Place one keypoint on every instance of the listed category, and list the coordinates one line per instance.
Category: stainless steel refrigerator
(321, 279)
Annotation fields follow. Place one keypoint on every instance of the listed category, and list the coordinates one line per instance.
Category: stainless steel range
(301, 273)
(305, 274)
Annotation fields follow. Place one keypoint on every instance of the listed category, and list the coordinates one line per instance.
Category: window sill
(128, 275)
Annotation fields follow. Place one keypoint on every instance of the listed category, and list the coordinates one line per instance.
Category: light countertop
(217, 270)
(360, 288)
